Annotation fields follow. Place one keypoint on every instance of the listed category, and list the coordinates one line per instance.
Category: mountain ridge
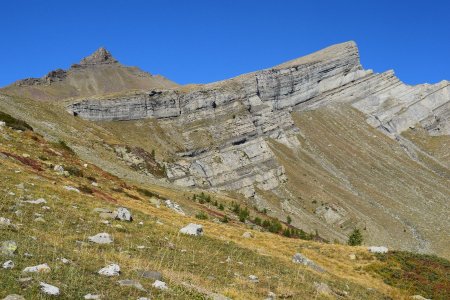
(235, 135)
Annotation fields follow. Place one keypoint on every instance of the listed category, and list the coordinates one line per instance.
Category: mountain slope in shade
(96, 74)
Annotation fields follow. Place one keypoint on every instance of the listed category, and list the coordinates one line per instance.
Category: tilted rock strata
(257, 106)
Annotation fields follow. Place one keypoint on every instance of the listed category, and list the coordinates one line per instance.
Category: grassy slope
(72, 219)
(344, 161)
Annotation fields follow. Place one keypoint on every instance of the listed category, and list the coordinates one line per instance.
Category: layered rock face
(257, 106)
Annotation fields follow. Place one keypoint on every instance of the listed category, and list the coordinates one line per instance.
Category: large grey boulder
(192, 229)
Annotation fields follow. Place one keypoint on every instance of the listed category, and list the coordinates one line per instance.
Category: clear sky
(194, 41)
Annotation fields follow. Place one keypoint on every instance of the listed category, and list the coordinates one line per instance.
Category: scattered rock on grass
(14, 297)
(174, 206)
(8, 248)
(42, 268)
(37, 201)
(150, 274)
(160, 285)
(111, 270)
(8, 264)
(247, 235)
(299, 258)
(192, 229)
(376, 249)
(131, 283)
(253, 278)
(49, 289)
(92, 297)
(323, 288)
(419, 297)
(71, 188)
(123, 214)
(101, 238)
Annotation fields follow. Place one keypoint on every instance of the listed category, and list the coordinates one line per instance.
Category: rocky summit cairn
(100, 56)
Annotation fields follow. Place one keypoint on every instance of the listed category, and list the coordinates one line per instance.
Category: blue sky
(203, 41)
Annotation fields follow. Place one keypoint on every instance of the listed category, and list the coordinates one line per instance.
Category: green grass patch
(426, 275)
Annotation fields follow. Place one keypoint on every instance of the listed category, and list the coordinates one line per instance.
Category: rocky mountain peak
(100, 56)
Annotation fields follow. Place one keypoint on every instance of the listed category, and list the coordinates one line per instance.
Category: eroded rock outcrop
(225, 125)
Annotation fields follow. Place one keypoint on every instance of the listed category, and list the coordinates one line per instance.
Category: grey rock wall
(257, 106)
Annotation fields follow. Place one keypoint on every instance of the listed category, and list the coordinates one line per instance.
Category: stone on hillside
(42, 268)
(71, 188)
(378, 249)
(419, 297)
(110, 270)
(49, 289)
(5, 221)
(37, 201)
(8, 248)
(352, 256)
(131, 283)
(14, 297)
(59, 169)
(192, 229)
(174, 206)
(323, 288)
(40, 220)
(8, 264)
(299, 258)
(124, 214)
(2, 124)
(253, 278)
(65, 260)
(247, 235)
(101, 238)
(160, 285)
(271, 296)
(150, 274)
(92, 297)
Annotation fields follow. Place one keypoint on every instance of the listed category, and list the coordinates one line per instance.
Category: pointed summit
(100, 56)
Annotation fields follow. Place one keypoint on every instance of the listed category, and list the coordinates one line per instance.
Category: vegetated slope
(349, 174)
(96, 74)
(218, 263)
(282, 139)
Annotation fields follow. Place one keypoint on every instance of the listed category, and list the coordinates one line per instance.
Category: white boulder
(49, 289)
(42, 268)
(110, 270)
(160, 285)
(192, 229)
(378, 249)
